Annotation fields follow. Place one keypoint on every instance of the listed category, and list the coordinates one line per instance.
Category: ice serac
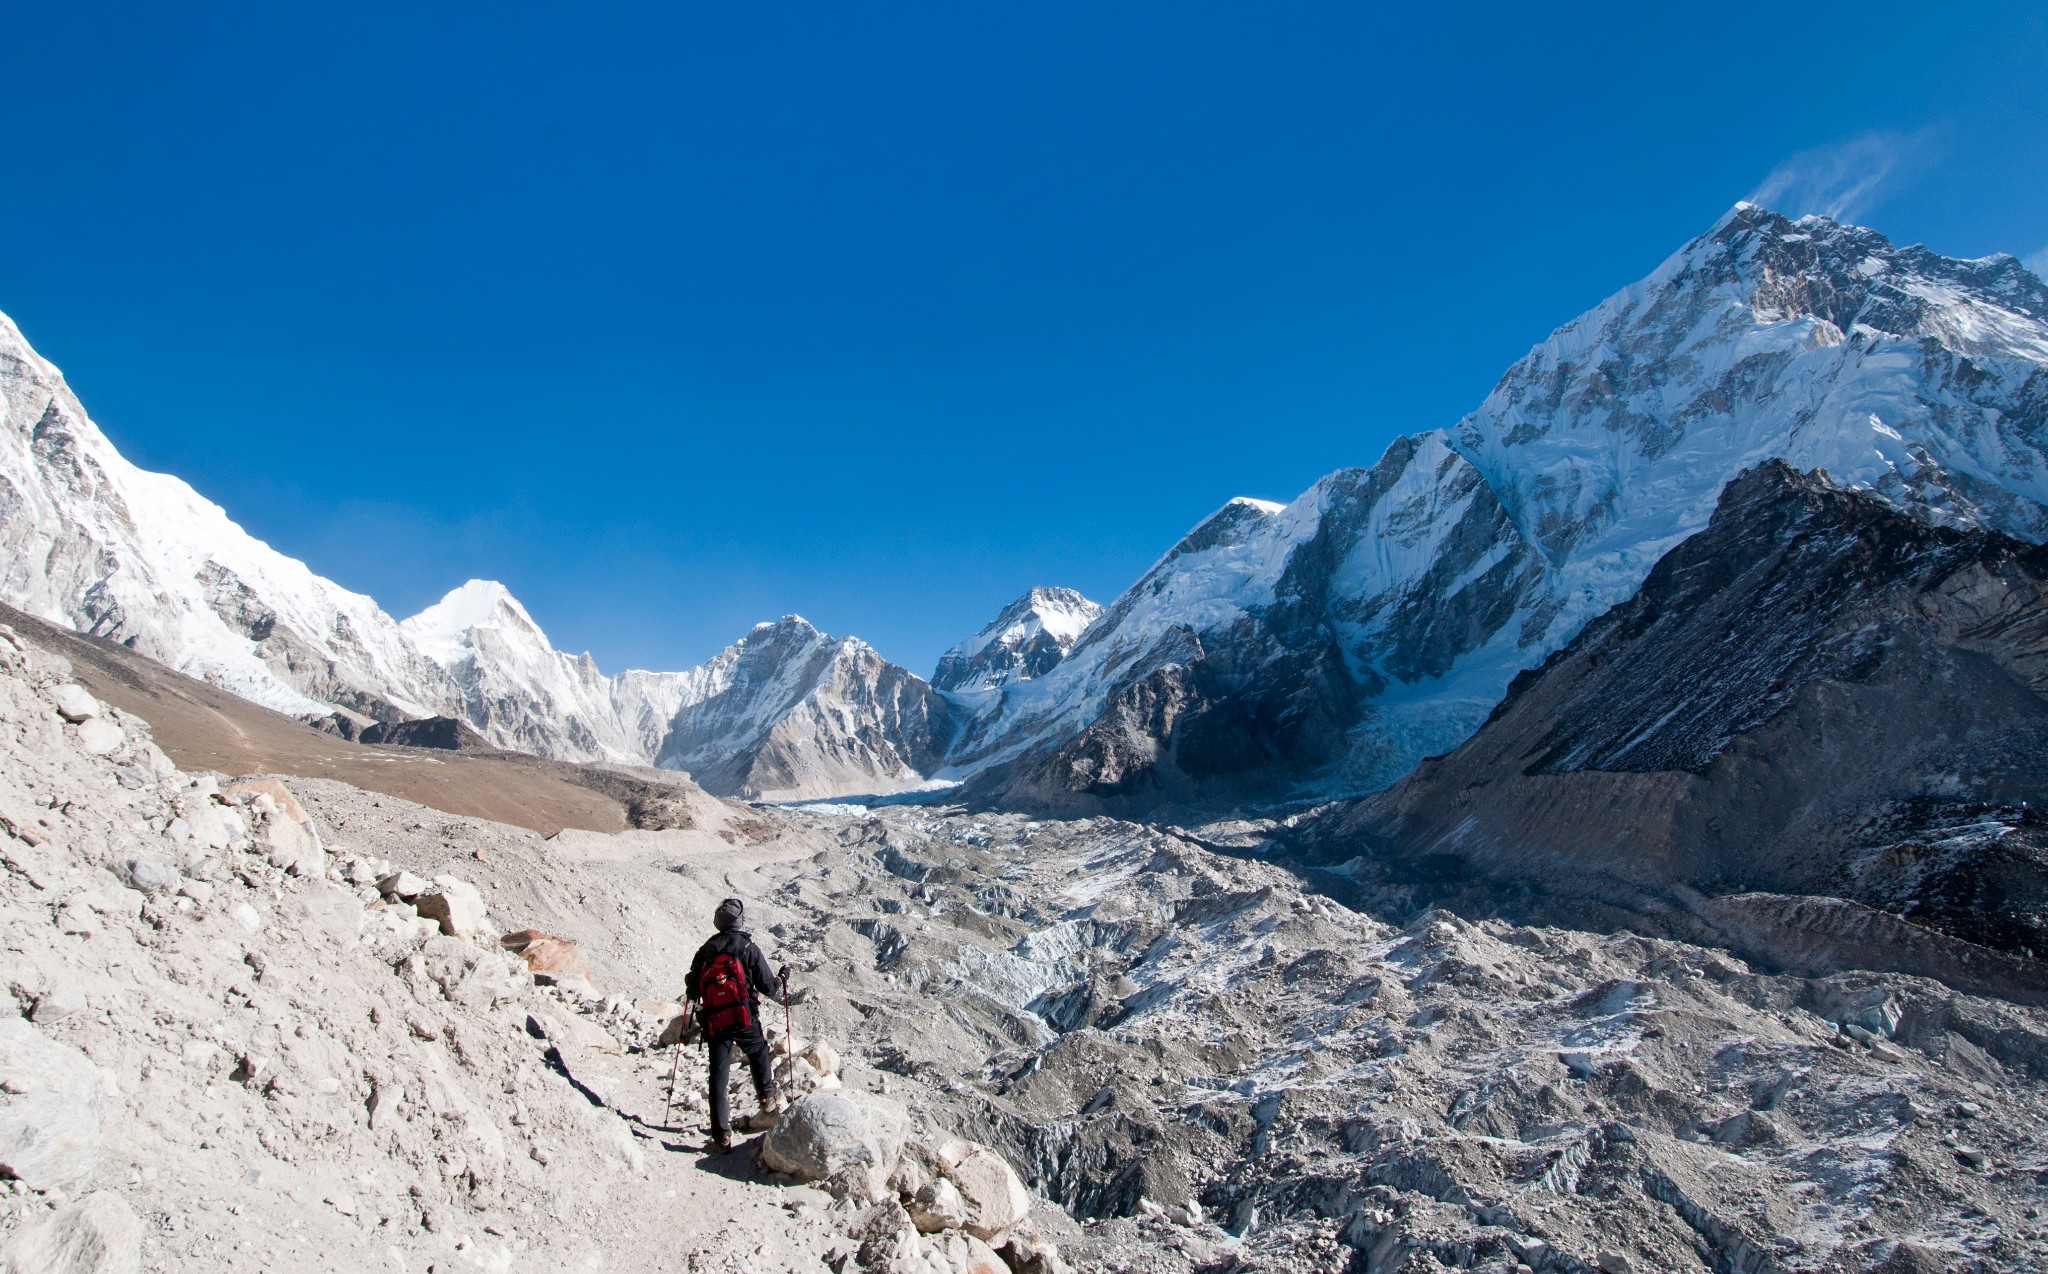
(1818, 697)
(1323, 647)
(92, 542)
(789, 713)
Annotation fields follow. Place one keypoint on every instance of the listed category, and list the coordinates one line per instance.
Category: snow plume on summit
(1326, 646)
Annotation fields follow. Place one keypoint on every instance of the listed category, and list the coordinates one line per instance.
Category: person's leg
(761, 1062)
(721, 1076)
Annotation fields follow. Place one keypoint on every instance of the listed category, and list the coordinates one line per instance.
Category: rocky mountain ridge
(1814, 735)
(1325, 646)
(1279, 653)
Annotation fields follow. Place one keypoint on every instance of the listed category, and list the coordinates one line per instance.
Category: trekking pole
(675, 1068)
(788, 1027)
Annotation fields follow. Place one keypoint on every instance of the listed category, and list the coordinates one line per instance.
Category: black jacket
(760, 978)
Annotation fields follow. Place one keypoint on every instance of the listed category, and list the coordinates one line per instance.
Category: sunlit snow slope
(1327, 645)
(96, 544)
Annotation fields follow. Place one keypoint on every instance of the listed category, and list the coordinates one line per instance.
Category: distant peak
(441, 631)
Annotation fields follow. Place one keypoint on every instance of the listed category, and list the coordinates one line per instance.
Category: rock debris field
(274, 1023)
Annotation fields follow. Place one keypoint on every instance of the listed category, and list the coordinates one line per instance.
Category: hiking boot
(764, 1118)
(720, 1143)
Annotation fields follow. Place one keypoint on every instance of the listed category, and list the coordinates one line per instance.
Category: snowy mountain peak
(1379, 617)
(443, 631)
(1025, 640)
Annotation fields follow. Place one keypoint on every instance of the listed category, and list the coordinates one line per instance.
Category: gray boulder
(828, 1131)
(147, 875)
(52, 1107)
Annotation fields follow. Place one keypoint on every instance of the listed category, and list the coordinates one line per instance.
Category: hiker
(727, 980)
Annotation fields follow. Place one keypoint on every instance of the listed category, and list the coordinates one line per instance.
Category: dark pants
(754, 1045)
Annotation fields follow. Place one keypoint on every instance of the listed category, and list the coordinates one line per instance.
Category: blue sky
(680, 317)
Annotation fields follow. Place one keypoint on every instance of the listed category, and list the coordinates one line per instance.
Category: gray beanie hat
(729, 914)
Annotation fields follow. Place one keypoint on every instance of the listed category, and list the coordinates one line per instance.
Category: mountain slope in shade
(789, 713)
(1325, 646)
(1818, 696)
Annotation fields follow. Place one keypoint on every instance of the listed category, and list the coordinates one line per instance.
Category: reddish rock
(546, 953)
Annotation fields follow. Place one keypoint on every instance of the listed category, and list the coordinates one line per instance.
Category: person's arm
(696, 972)
(763, 976)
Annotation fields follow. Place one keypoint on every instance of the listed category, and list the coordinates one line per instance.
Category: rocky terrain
(1193, 1057)
(254, 1032)
(1814, 736)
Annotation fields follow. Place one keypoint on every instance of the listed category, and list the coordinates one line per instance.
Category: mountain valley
(1601, 834)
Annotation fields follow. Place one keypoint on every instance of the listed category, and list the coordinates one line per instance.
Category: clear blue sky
(676, 318)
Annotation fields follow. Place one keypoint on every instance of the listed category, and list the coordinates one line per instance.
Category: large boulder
(99, 1234)
(458, 915)
(52, 1107)
(937, 1206)
(458, 906)
(569, 1028)
(828, 1131)
(284, 832)
(995, 1199)
(98, 736)
(74, 704)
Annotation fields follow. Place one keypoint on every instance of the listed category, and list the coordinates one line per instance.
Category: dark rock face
(446, 733)
(1817, 696)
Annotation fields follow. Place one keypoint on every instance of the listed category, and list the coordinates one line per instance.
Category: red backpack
(723, 989)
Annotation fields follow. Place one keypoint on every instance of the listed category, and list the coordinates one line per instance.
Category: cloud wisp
(1843, 180)
(2037, 262)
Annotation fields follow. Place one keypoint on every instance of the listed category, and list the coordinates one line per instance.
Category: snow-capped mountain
(1326, 645)
(1306, 649)
(520, 692)
(788, 713)
(1027, 639)
(94, 543)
